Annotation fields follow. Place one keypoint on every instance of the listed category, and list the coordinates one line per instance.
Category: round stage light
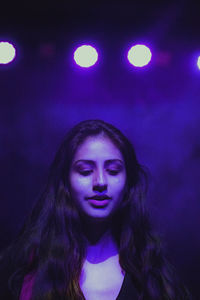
(139, 55)
(7, 52)
(198, 62)
(85, 56)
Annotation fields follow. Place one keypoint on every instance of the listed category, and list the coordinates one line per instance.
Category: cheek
(118, 183)
(79, 184)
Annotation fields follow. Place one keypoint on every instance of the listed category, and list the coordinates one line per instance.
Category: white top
(102, 281)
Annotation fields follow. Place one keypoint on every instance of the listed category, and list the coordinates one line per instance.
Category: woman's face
(97, 177)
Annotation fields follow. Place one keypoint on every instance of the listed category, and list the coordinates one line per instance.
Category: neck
(100, 241)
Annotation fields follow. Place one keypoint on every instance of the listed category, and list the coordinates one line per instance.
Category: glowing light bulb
(7, 52)
(198, 62)
(85, 56)
(139, 55)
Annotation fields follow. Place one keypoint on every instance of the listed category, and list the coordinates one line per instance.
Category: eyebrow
(91, 162)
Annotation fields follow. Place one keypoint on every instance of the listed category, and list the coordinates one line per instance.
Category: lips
(98, 203)
(100, 198)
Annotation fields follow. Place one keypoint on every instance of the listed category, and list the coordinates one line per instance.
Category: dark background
(43, 94)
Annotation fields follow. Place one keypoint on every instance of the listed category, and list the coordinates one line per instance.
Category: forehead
(98, 147)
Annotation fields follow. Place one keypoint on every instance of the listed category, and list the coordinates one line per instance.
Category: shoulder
(27, 287)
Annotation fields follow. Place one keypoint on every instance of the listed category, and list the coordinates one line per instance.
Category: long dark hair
(52, 246)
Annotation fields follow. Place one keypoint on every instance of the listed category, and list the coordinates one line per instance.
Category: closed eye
(86, 172)
(113, 172)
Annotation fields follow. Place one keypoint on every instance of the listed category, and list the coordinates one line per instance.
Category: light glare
(139, 55)
(7, 52)
(198, 62)
(85, 56)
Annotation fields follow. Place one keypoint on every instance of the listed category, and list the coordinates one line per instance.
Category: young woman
(89, 236)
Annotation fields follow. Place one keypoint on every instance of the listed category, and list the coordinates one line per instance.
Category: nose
(99, 181)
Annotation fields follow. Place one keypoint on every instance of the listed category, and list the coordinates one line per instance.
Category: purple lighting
(198, 62)
(139, 55)
(7, 52)
(85, 56)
